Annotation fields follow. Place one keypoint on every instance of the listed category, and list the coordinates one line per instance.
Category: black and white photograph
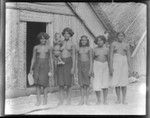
(75, 58)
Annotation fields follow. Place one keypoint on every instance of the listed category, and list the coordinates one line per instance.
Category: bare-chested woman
(120, 60)
(101, 69)
(41, 66)
(84, 64)
(66, 70)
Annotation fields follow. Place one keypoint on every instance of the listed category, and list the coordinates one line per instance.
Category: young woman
(101, 69)
(120, 60)
(40, 66)
(66, 70)
(84, 64)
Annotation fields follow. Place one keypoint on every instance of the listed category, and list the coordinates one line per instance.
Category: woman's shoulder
(114, 43)
(36, 46)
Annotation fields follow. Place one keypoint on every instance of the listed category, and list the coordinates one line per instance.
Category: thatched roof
(127, 17)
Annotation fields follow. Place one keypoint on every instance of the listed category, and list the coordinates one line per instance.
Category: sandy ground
(136, 98)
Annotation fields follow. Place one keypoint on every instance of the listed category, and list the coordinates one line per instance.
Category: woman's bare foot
(124, 102)
(105, 102)
(38, 103)
(81, 102)
(44, 102)
(118, 102)
(87, 103)
(98, 103)
(60, 103)
(68, 103)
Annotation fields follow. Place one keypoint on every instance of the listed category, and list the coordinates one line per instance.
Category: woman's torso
(101, 54)
(84, 53)
(120, 48)
(42, 52)
(67, 49)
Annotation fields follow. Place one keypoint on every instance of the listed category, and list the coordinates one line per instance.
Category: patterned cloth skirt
(101, 75)
(83, 73)
(120, 74)
(64, 76)
(40, 72)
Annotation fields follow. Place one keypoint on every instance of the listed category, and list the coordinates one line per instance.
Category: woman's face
(84, 41)
(67, 35)
(100, 42)
(120, 37)
(43, 41)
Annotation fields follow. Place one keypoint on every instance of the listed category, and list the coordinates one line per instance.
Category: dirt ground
(136, 98)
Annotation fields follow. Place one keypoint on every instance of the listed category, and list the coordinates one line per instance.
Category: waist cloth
(83, 72)
(64, 76)
(101, 75)
(120, 74)
(40, 72)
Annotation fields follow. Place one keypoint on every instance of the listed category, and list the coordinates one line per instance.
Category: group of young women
(102, 66)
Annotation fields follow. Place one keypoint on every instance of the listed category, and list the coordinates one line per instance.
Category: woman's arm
(33, 58)
(76, 60)
(111, 58)
(91, 61)
(129, 56)
(73, 59)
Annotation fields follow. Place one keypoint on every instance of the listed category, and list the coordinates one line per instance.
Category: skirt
(120, 74)
(64, 77)
(101, 76)
(83, 73)
(40, 72)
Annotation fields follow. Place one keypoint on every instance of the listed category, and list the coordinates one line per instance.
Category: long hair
(69, 30)
(101, 37)
(80, 42)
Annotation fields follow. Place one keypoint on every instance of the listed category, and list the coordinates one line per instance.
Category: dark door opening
(33, 28)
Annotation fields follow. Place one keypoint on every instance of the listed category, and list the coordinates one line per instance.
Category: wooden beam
(138, 45)
(2, 57)
(134, 20)
(80, 19)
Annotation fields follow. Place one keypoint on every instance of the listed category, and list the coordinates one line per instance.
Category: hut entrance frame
(42, 20)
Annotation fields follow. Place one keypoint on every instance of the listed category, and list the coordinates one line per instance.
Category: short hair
(101, 37)
(80, 42)
(69, 30)
(120, 33)
(43, 34)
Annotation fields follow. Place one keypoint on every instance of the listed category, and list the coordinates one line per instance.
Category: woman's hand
(111, 70)
(72, 71)
(31, 71)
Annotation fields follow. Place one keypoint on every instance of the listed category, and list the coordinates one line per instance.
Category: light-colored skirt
(101, 76)
(120, 74)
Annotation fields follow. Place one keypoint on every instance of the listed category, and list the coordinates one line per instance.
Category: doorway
(33, 29)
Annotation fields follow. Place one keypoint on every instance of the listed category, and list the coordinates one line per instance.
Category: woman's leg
(124, 90)
(98, 97)
(86, 94)
(118, 95)
(38, 96)
(68, 89)
(105, 93)
(45, 96)
(82, 96)
(61, 97)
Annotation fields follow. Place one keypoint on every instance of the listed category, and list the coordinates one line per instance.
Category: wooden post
(137, 47)
(2, 58)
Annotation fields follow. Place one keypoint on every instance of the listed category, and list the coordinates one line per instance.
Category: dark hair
(69, 30)
(43, 34)
(120, 33)
(80, 42)
(101, 37)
